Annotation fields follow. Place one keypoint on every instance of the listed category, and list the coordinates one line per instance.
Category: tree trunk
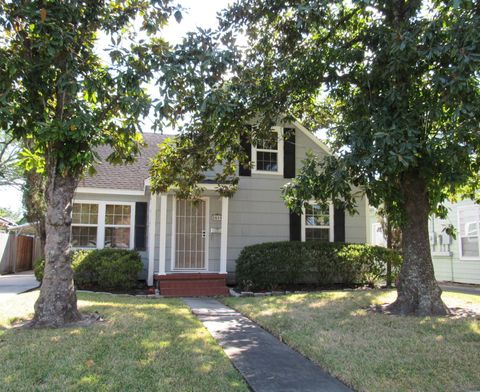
(57, 304)
(418, 291)
(389, 246)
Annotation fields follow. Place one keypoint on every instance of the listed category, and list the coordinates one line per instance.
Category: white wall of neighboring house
(457, 259)
(454, 259)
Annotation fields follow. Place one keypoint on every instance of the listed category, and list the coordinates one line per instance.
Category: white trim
(207, 233)
(460, 257)
(163, 234)
(108, 191)
(224, 236)
(279, 151)
(330, 226)
(207, 237)
(152, 215)
(312, 137)
(101, 226)
(442, 254)
(174, 229)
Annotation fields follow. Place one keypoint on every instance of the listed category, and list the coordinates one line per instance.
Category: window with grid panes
(317, 223)
(268, 153)
(84, 225)
(117, 226)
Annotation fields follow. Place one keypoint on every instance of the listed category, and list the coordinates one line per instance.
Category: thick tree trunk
(418, 291)
(57, 304)
(389, 246)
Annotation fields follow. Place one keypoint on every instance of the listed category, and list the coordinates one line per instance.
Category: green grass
(144, 344)
(375, 352)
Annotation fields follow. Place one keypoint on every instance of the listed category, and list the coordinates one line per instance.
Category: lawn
(374, 352)
(144, 344)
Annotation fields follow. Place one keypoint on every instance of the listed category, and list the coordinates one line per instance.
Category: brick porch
(192, 284)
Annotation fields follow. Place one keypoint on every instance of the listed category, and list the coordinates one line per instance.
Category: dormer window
(267, 156)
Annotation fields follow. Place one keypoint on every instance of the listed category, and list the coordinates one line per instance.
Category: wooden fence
(18, 252)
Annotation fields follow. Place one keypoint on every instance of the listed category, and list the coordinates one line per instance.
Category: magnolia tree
(61, 98)
(395, 82)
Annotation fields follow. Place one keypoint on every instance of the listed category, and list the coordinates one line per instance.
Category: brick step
(194, 291)
(192, 284)
(195, 283)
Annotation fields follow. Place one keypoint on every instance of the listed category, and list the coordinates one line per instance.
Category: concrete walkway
(459, 288)
(16, 284)
(266, 364)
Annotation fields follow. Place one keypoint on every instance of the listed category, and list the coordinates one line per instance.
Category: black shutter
(339, 225)
(295, 227)
(289, 153)
(140, 225)
(247, 148)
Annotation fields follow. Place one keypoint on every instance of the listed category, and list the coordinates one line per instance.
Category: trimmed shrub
(38, 267)
(106, 269)
(281, 264)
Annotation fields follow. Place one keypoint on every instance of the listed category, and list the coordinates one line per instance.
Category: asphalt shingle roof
(130, 176)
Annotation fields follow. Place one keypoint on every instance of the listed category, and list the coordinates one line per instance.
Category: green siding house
(191, 248)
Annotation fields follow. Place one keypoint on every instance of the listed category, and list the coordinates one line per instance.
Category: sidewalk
(460, 288)
(17, 283)
(266, 364)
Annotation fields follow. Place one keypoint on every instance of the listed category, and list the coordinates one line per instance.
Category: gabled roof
(130, 176)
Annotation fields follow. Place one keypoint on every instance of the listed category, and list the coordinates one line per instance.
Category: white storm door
(190, 234)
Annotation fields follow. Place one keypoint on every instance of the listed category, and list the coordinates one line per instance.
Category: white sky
(198, 14)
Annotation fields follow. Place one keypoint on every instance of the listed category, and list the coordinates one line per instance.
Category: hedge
(282, 264)
(106, 269)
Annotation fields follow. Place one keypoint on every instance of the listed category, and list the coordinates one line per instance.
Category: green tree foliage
(10, 171)
(14, 216)
(63, 95)
(396, 82)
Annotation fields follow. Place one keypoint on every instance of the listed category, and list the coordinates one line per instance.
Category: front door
(190, 234)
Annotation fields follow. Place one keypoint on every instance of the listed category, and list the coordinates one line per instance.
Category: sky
(198, 14)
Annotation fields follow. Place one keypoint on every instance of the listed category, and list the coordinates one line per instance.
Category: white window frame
(460, 236)
(131, 225)
(207, 237)
(101, 221)
(329, 227)
(278, 151)
(97, 225)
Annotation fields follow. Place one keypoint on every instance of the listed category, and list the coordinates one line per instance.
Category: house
(190, 248)
(454, 259)
(457, 259)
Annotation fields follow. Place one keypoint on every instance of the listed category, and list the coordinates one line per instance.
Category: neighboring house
(454, 259)
(457, 259)
(19, 248)
(189, 248)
